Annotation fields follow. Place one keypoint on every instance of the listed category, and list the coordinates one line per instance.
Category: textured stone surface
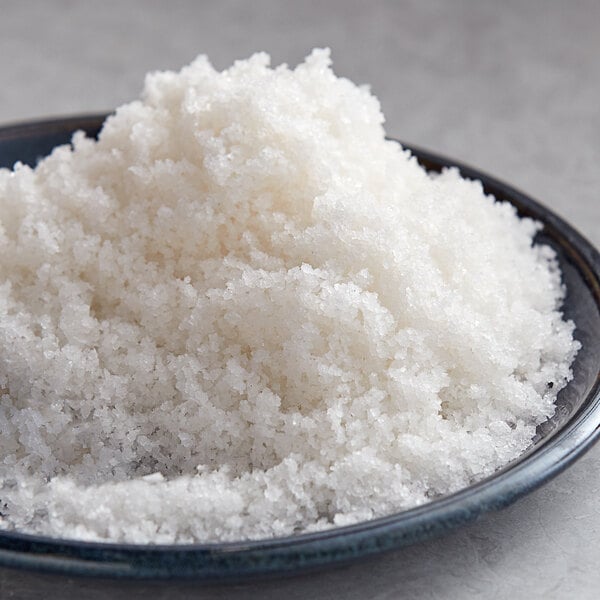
(509, 87)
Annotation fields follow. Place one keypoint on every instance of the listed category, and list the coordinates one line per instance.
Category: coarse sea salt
(243, 313)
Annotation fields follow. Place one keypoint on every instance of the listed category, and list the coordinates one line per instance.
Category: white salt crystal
(244, 313)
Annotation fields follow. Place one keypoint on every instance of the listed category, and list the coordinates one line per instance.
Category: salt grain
(243, 313)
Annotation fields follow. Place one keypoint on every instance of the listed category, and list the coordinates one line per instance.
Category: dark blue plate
(562, 439)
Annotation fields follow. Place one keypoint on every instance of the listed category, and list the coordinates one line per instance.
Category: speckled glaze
(559, 441)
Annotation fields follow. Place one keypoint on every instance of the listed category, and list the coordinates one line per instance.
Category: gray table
(510, 87)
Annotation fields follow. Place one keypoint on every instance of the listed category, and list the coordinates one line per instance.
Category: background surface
(510, 87)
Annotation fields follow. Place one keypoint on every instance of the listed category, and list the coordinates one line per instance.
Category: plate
(559, 441)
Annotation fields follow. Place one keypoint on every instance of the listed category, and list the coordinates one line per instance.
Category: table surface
(510, 87)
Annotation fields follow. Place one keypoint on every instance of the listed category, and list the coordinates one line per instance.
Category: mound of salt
(243, 313)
